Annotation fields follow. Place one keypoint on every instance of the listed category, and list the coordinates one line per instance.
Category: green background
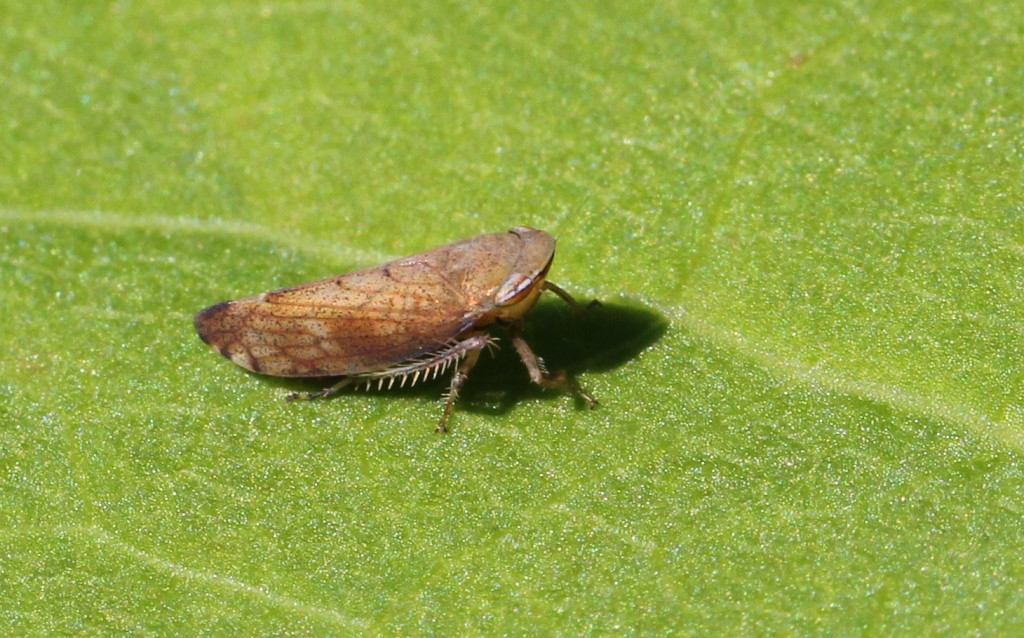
(804, 219)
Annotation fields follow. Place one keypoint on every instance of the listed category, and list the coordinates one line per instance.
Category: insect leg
(458, 378)
(569, 299)
(536, 370)
(309, 396)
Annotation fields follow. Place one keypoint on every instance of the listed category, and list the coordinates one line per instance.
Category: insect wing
(364, 321)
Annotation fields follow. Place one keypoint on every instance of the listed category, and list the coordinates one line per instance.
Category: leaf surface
(803, 219)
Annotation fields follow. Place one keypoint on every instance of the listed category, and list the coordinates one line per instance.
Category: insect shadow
(605, 337)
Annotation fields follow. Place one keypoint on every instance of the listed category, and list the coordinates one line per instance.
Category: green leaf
(804, 220)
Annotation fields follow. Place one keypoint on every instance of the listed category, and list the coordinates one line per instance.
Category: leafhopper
(408, 320)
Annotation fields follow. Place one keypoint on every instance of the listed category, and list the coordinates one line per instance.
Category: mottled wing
(361, 322)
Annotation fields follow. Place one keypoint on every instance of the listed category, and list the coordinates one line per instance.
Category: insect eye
(514, 290)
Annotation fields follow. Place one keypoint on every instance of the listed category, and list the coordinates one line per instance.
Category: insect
(412, 318)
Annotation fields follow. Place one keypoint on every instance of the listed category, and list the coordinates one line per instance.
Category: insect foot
(407, 320)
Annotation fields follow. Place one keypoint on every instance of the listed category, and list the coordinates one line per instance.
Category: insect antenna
(564, 220)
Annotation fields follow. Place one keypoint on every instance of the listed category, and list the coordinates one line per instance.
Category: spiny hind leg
(322, 394)
(458, 379)
(538, 374)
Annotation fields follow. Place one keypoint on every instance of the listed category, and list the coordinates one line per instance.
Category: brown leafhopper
(409, 319)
